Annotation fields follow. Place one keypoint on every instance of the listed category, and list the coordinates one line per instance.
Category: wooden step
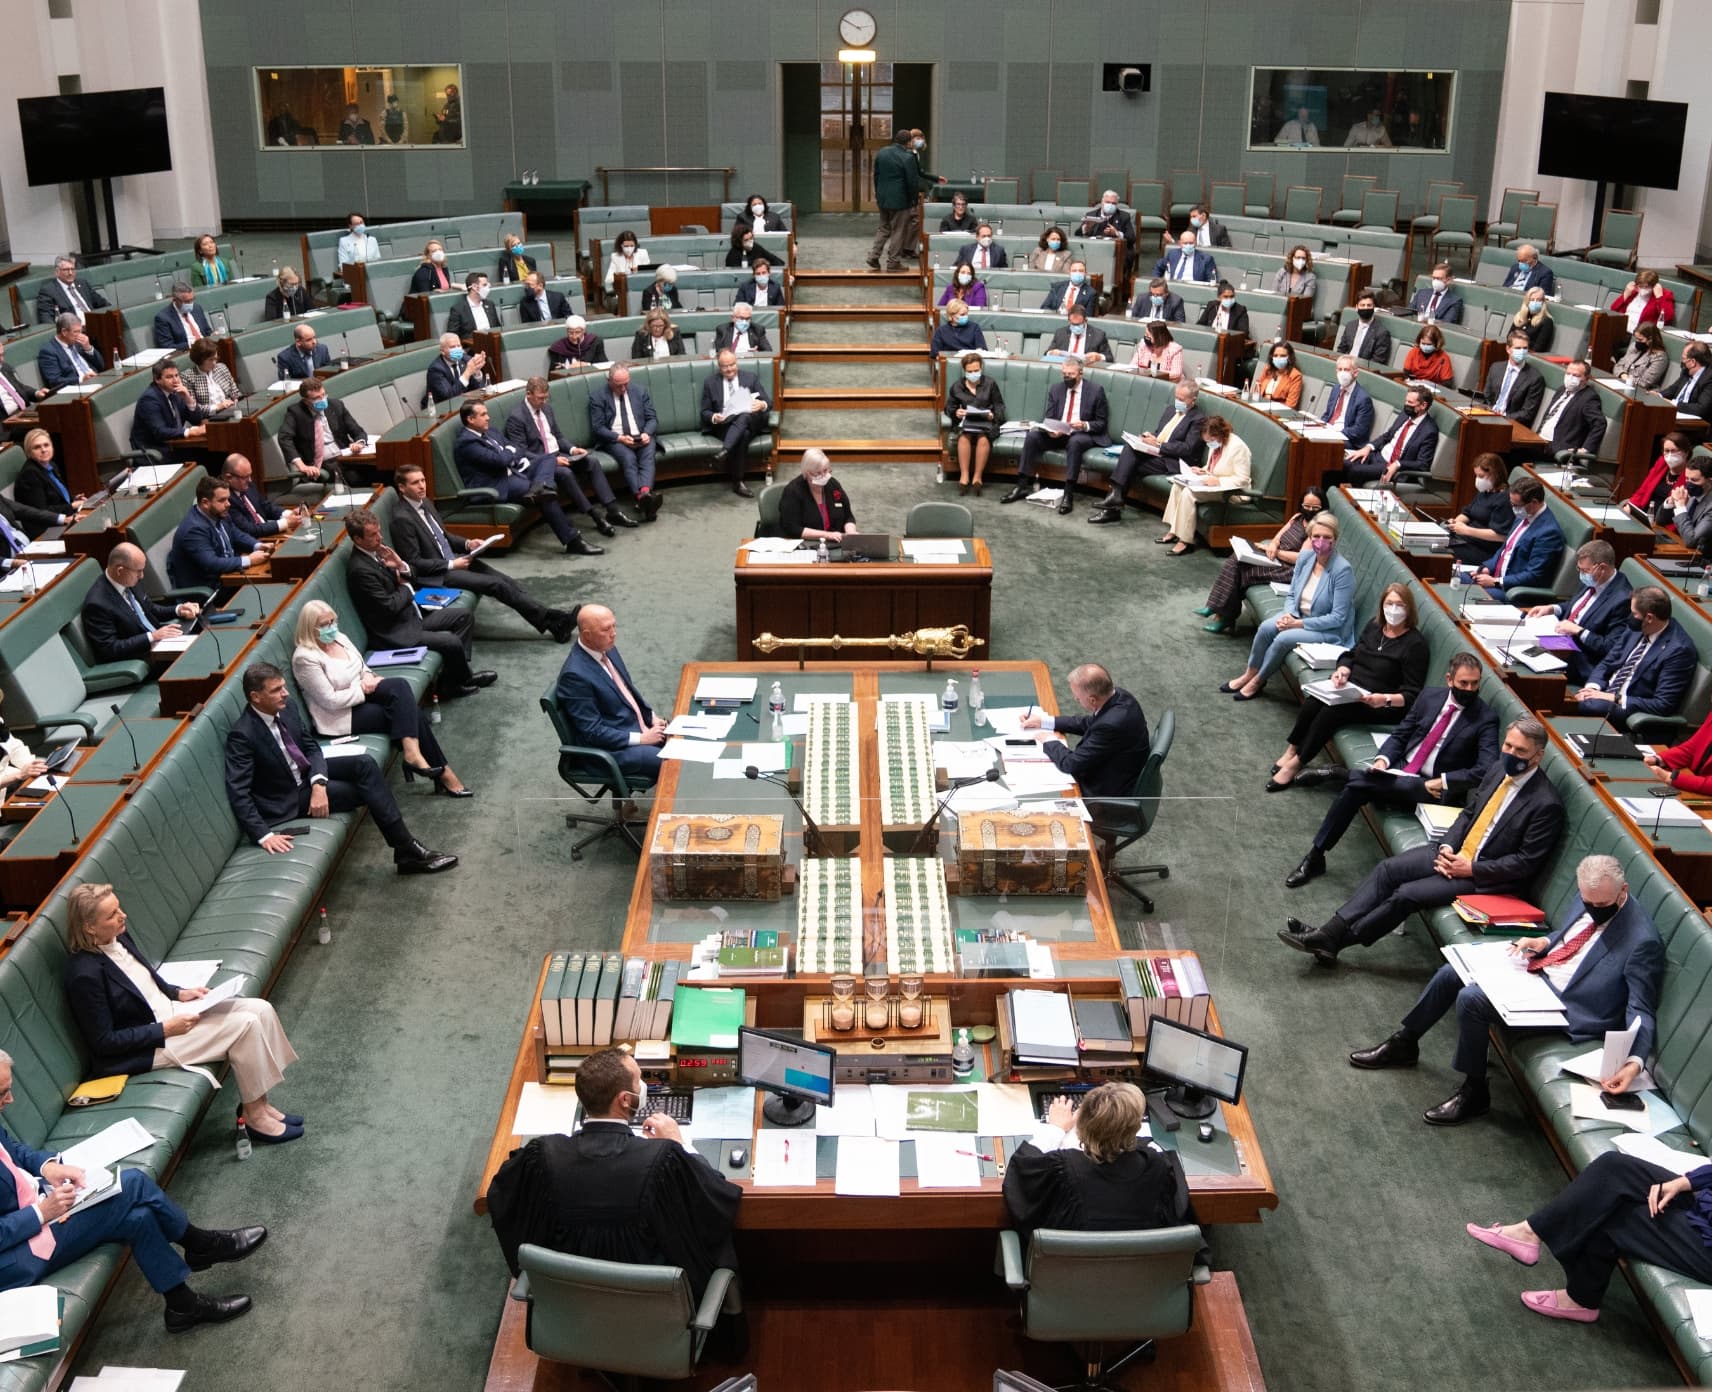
(801, 313)
(858, 398)
(859, 276)
(853, 352)
(846, 451)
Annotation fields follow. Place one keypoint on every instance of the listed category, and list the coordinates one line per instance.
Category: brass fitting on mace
(923, 642)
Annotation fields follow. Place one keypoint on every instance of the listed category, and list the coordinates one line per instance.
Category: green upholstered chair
(592, 774)
(1259, 191)
(767, 524)
(1126, 820)
(939, 520)
(1004, 190)
(1455, 228)
(1090, 1288)
(1379, 209)
(1188, 187)
(1043, 185)
(1536, 224)
(1619, 239)
(1348, 211)
(1068, 192)
(1503, 227)
(1228, 201)
(612, 1317)
(1147, 197)
(1427, 220)
(1302, 203)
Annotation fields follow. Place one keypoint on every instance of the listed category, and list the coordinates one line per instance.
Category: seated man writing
(1647, 671)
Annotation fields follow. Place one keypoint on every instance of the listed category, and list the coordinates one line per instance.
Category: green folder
(706, 1017)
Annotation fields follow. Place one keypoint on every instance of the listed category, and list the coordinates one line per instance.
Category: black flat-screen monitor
(797, 1073)
(1613, 140)
(1198, 1065)
(94, 135)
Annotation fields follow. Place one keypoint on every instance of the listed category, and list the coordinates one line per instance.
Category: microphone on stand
(58, 785)
(927, 839)
(136, 763)
(1663, 795)
(1593, 740)
(214, 637)
(813, 843)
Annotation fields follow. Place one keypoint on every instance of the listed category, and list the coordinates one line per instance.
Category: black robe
(614, 1196)
(1142, 1188)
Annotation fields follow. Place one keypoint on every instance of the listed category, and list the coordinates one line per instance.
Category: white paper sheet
(173, 645)
(947, 1161)
(1584, 1102)
(1651, 811)
(41, 572)
(801, 702)
(712, 727)
(765, 546)
(545, 1111)
(867, 1165)
(784, 1158)
(922, 548)
(28, 1315)
(692, 751)
(851, 1112)
(722, 1113)
(773, 757)
(109, 1146)
(226, 992)
(1007, 720)
(188, 974)
(44, 547)
(796, 724)
(1508, 984)
(1656, 1152)
(1006, 1109)
(729, 770)
(1700, 1306)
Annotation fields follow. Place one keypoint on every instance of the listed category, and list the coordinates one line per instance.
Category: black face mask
(1310, 511)
(1364, 314)
(1602, 913)
(1695, 489)
(1464, 699)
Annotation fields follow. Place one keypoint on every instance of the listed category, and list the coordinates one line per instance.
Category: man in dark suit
(1110, 221)
(166, 416)
(540, 305)
(577, 346)
(1224, 315)
(1438, 301)
(1349, 407)
(515, 264)
(1409, 442)
(1647, 671)
(602, 705)
(1080, 339)
(1691, 392)
(1598, 617)
(380, 587)
(1363, 336)
(1513, 384)
(1080, 405)
(982, 254)
(305, 356)
(182, 322)
(67, 293)
(534, 429)
(487, 461)
(1177, 437)
(1208, 232)
(207, 546)
(471, 313)
(252, 512)
(742, 334)
(119, 620)
(1574, 419)
(68, 357)
(1158, 301)
(897, 181)
(1530, 271)
(316, 427)
(1443, 747)
(15, 396)
(736, 420)
(437, 557)
(1186, 261)
(1063, 296)
(1114, 744)
(1530, 552)
(455, 372)
(1507, 831)
(623, 423)
(275, 771)
(1605, 963)
(1689, 506)
(761, 288)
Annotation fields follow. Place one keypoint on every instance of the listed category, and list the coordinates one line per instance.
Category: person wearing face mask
(304, 357)
(758, 217)
(1480, 528)
(540, 305)
(1349, 407)
(1442, 748)
(1574, 419)
(1513, 384)
(1230, 465)
(760, 288)
(1369, 133)
(959, 219)
(1534, 321)
(1528, 558)
(744, 248)
(431, 276)
(1052, 252)
(182, 321)
(1664, 475)
(344, 696)
(1409, 442)
(925, 179)
(1598, 616)
(394, 122)
(1224, 314)
(472, 314)
(315, 430)
(514, 264)
(1074, 292)
(1530, 271)
(662, 291)
(955, 333)
(1427, 361)
(1110, 221)
(1363, 336)
(976, 405)
(455, 372)
(1647, 671)
(1605, 963)
(1236, 576)
(965, 287)
(1645, 361)
(984, 253)
(1080, 407)
(578, 347)
(1508, 830)
(287, 298)
(1687, 767)
(1296, 276)
(1646, 301)
(1280, 380)
(1159, 354)
(657, 338)
(1691, 392)
(1158, 301)
(741, 334)
(1186, 261)
(1174, 445)
(814, 505)
(626, 259)
(1388, 661)
(1437, 302)
(1080, 339)
(734, 408)
(357, 245)
(1320, 608)
(1207, 230)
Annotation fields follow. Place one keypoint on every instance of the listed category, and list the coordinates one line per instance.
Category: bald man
(1114, 743)
(254, 513)
(602, 705)
(122, 623)
(305, 357)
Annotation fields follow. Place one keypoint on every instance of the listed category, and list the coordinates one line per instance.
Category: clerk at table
(814, 505)
(1114, 744)
(119, 620)
(600, 702)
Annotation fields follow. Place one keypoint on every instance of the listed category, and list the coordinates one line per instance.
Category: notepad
(867, 1165)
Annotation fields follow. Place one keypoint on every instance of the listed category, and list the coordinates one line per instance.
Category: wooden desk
(71, 421)
(110, 761)
(37, 858)
(861, 599)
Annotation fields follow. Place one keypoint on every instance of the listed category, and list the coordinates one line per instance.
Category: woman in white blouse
(345, 697)
(657, 338)
(1229, 465)
(627, 257)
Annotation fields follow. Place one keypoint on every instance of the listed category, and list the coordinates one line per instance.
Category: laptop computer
(871, 546)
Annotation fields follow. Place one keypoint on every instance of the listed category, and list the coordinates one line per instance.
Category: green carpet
(378, 1275)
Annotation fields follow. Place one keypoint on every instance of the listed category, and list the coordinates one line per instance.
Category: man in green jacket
(897, 179)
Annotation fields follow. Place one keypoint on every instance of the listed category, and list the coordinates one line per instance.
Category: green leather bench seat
(525, 347)
(477, 231)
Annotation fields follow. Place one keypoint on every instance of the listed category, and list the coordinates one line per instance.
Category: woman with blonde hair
(658, 337)
(1229, 465)
(431, 276)
(132, 1021)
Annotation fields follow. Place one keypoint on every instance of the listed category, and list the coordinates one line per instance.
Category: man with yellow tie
(1497, 846)
(602, 705)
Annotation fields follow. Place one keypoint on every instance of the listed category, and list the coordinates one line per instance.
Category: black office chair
(1127, 819)
(593, 774)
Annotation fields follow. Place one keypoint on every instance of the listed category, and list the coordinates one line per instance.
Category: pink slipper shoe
(1545, 1303)
(1528, 1253)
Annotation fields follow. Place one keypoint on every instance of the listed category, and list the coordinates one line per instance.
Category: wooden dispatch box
(718, 855)
(1022, 853)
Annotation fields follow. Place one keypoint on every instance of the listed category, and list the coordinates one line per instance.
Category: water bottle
(158, 294)
(939, 471)
(323, 930)
(1455, 576)
(948, 700)
(29, 581)
(434, 710)
(776, 704)
(821, 557)
(1703, 586)
(977, 699)
(769, 470)
(244, 1147)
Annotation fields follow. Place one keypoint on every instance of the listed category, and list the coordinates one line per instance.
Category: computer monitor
(1200, 1067)
(797, 1073)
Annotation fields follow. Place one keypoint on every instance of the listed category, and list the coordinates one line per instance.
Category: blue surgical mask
(1515, 765)
(1179, 405)
(740, 326)
(358, 229)
(456, 355)
(1228, 303)
(1157, 301)
(1587, 580)
(972, 373)
(517, 250)
(1428, 349)
(1077, 277)
(1518, 355)
(328, 633)
(319, 404)
(962, 319)
(1108, 208)
(1053, 244)
(1281, 363)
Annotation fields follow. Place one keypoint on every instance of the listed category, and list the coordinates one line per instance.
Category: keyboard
(677, 1103)
(1044, 1093)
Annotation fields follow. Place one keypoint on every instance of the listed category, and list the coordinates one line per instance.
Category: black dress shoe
(1102, 516)
(1312, 778)
(1272, 785)
(561, 628)
(1469, 1101)
(483, 678)
(601, 525)
(719, 459)
(581, 546)
(1317, 944)
(1399, 1051)
(1312, 867)
(1017, 494)
(618, 518)
(419, 860)
(225, 1245)
(207, 1309)
(742, 490)
(649, 503)
(1113, 499)
(1065, 503)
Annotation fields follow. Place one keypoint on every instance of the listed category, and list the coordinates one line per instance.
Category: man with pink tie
(602, 705)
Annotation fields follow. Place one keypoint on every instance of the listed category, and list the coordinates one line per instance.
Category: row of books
(1174, 987)
(591, 999)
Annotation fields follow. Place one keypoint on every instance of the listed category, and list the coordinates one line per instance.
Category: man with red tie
(1604, 964)
(1409, 442)
(252, 512)
(1530, 552)
(602, 705)
(182, 322)
(1598, 616)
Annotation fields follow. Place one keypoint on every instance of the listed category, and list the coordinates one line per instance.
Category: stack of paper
(121, 1379)
(785, 1158)
(725, 689)
(692, 751)
(867, 1165)
(931, 548)
(1245, 550)
(546, 1111)
(1520, 996)
(706, 727)
(29, 1320)
(1346, 695)
(1043, 1029)
(37, 573)
(765, 546)
(1045, 497)
(1320, 656)
(1653, 812)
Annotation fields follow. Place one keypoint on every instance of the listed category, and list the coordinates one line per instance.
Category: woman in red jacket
(1687, 767)
(1645, 301)
(1665, 473)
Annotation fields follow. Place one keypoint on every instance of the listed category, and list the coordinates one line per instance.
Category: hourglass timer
(843, 1002)
(909, 1002)
(876, 1015)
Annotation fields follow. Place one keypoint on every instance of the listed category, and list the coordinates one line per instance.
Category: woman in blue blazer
(1321, 609)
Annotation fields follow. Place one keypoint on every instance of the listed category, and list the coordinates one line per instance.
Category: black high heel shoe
(432, 772)
(438, 779)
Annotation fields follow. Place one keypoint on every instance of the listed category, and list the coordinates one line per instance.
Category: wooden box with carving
(1022, 853)
(714, 855)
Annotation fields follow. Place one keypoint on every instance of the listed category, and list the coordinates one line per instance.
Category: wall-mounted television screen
(94, 135)
(1612, 139)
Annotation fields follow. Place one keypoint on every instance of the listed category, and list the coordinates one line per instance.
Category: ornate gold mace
(923, 642)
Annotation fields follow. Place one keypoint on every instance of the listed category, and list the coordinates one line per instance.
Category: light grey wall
(564, 85)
